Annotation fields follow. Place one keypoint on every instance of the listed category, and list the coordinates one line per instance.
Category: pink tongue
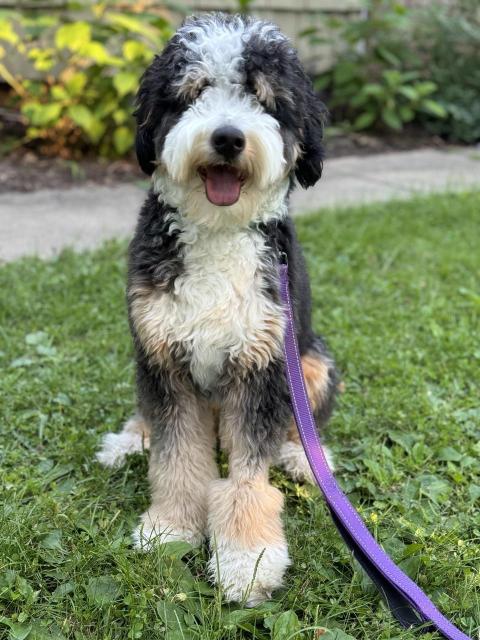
(222, 185)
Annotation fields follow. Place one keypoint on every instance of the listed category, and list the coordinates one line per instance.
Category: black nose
(228, 141)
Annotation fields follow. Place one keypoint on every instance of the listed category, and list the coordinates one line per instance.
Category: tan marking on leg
(315, 371)
(316, 375)
(292, 433)
(247, 511)
(180, 472)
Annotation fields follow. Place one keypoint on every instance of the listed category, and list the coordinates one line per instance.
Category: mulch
(25, 171)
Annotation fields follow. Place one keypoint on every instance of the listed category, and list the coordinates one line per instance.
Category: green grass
(396, 293)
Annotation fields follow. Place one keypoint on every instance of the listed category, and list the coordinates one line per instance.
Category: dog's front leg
(249, 551)
(182, 460)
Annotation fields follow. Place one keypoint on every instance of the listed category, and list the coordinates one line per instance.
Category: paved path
(44, 222)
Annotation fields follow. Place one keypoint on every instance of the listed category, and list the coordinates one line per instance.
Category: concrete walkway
(44, 222)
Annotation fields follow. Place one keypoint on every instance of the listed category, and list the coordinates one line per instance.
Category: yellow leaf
(99, 54)
(41, 115)
(73, 36)
(59, 92)
(125, 82)
(43, 65)
(134, 50)
(7, 32)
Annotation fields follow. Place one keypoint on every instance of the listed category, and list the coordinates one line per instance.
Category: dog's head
(226, 118)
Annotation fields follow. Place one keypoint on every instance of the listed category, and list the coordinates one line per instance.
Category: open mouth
(222, 183)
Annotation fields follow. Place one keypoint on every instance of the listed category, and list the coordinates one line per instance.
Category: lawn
(396, 293)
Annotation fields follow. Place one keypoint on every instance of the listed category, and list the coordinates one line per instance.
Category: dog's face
(226, 117)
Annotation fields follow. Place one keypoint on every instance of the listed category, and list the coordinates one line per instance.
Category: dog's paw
(116, 446)
(133, 438)
(248, 576)
(293, 461)
(153, 530)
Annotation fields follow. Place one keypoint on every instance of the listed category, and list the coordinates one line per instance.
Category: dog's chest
(218, 308)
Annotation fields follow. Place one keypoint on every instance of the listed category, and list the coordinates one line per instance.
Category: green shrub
(448, 45)
(374, 81)
(81, 74)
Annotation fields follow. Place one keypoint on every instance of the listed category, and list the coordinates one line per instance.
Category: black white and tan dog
(227, 124)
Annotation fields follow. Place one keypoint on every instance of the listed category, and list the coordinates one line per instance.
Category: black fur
(261, 404)
(154, 251)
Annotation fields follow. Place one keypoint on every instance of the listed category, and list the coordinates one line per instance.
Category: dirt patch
(25, 171)
(362, 144)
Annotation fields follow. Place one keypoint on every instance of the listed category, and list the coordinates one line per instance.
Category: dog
(227, 124)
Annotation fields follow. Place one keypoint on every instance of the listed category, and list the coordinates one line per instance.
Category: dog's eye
(200, 87)
(192, 86)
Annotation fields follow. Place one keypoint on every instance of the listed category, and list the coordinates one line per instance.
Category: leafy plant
(372, 82)
(81, 75)
(448, 45)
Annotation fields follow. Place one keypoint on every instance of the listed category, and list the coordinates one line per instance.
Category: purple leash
(407, 601)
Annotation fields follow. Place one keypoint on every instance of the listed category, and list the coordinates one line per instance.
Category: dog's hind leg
(321, 383)
(249, 550)
(133, 438)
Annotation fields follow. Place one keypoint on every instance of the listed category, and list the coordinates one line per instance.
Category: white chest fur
(217, 309)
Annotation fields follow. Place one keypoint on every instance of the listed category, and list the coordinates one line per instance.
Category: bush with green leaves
(80, 74)
(447, 43)
(374, 81)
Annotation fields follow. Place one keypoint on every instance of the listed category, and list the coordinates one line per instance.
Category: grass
(396, 292)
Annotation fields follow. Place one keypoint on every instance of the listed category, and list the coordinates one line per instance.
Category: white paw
(153, 531)
(248, 576)
(116, 446)
(293, 461)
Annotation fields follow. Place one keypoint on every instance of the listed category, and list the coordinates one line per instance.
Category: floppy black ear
(154, 97)
(308, 169)
(145, 150)
(146, 115)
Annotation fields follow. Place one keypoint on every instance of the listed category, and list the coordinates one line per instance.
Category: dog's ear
(145, 102)
(153, 99)
(145, 150)
(308, 169)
